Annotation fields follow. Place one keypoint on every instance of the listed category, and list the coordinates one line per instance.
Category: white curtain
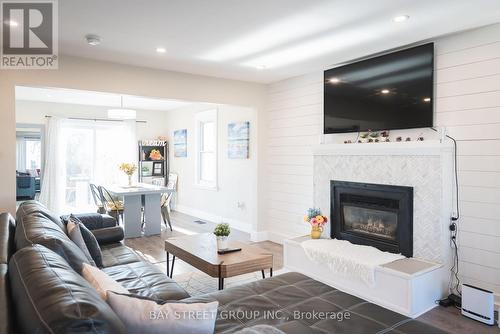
(91, 152)
(54, 173)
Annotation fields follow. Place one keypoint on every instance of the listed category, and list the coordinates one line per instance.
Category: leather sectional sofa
(41, 290)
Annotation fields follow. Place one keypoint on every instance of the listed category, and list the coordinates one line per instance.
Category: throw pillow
(147, 317)
(75, 235)
(101, 281)
(90, 241)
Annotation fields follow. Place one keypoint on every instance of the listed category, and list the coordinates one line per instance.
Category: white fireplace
(409, 286)
(427, 167)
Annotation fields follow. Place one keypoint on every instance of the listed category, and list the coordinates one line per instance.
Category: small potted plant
(317, 221)
(128, 169)
(222, 232)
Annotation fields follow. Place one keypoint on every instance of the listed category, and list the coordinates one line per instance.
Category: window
(206, 149)
(28, 152)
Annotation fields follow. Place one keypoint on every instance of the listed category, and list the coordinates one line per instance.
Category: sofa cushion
(294, 299)
(36, 228)
(75, 234)
(147, 317)
(116, 254)
(101, 281)
(145, 279)
(28, 207)
(50, 297)
(90, 242)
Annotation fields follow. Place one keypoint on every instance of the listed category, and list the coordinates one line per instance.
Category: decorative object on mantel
(155, 155)
(238, 138)
(222, 232)
(128, 169)
(371, 137)
(317, 221)
(180, 143)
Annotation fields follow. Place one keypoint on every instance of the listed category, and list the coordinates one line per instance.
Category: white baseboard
(280, 237)
(239, 225)
(259, 236)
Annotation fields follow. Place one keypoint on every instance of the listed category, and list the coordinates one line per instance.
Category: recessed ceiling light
(427, 99)
(334, 80)
(385, 91)
(400, 18)
(261, 67)
(161, 49)
(12, 23)
(93, 40)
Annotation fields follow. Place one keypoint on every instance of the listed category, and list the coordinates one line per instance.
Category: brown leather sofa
(40, 287)
(42, 292)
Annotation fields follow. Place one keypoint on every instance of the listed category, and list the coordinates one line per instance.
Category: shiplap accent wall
(467, 104)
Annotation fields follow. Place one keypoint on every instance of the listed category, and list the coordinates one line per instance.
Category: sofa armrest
(108, 235)
(93, 221)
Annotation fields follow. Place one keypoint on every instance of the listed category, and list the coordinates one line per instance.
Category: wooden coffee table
(200, 251)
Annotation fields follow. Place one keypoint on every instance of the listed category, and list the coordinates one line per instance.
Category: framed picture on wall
(238, 138)
(157, 168)
(180, 143)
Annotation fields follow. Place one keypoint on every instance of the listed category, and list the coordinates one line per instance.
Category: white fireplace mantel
(430, 147)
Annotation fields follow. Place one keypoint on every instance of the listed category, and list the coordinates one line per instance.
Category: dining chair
(167, 198)
(113, 206)
(98, 200)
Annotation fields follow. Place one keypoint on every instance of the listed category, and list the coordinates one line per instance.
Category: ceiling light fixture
(161, 50)
(261, 67)
(385, 91)
(122, 113)
(334, 80)
(427, 99)
(93, 40)
(400, 18)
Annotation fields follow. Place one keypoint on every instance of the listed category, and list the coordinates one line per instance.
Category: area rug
(198, 283)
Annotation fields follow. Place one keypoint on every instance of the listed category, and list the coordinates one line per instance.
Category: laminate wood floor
(152, 249)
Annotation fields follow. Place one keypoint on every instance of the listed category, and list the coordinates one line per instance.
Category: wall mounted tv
(392, 91)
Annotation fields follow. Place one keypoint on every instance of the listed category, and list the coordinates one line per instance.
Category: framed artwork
(238, 139)
(180, 143)
(157, 168)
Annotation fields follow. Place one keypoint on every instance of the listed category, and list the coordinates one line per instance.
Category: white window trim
(200, 118)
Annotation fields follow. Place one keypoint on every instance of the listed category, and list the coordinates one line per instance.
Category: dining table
(133, 196)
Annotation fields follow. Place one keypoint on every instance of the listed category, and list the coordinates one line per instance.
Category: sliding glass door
(91, 152)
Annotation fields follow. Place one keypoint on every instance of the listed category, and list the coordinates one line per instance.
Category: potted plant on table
(316, 220)
(222, 232)
(128, 169)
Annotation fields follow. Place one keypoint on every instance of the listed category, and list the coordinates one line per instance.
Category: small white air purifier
(478, 304)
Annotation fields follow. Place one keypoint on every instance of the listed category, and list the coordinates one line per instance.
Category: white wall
(467, 104)
(237, 178)
(85, 74)
(33, 112)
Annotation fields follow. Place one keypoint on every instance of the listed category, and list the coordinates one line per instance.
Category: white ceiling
(82, 97)
(232, 39)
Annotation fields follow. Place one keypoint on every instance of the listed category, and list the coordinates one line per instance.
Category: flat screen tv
(392, 91)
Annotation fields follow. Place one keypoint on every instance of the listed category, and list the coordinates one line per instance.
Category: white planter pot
(222, 242)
